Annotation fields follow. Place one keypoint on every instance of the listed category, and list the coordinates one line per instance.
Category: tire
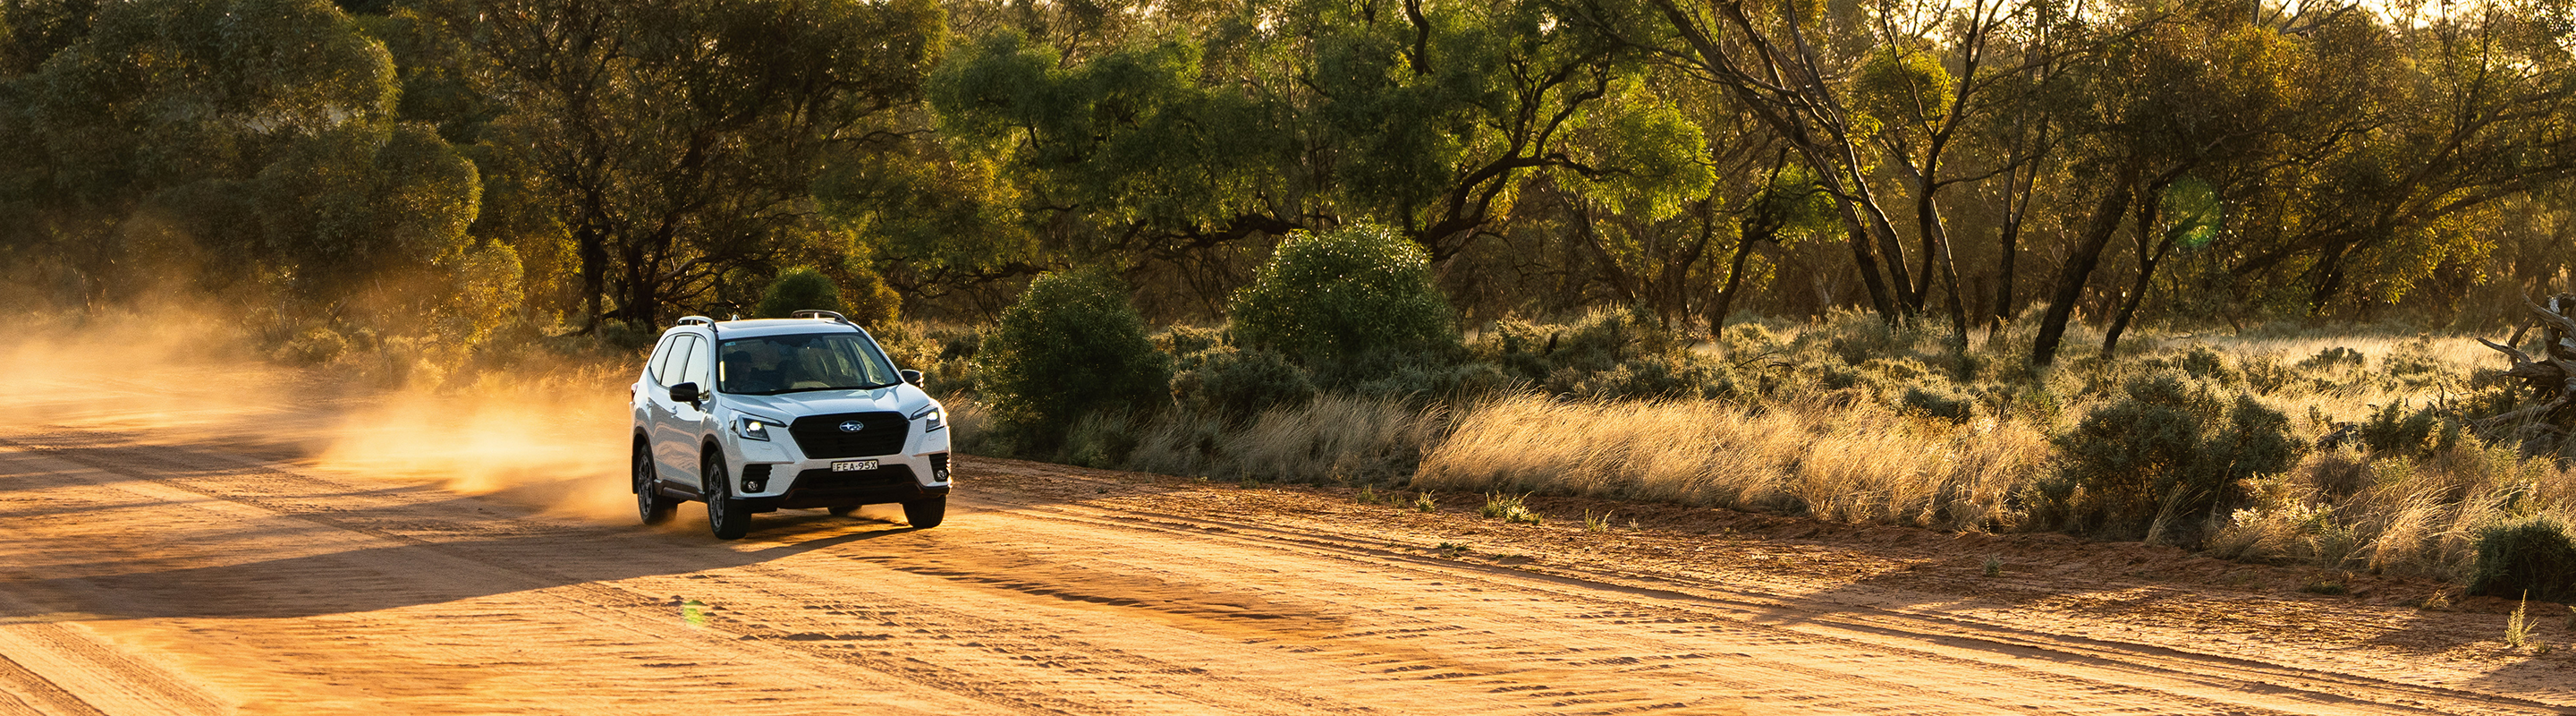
(729, 518)
(926, 513)
(651, 505)
(842, 511)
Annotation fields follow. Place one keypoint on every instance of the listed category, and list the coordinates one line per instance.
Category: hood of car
(903, 399)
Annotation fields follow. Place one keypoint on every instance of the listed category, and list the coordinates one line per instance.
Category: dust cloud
(532, 442)
(550, 438)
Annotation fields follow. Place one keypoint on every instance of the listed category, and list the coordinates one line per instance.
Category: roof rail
(699, 320)
(818, 315)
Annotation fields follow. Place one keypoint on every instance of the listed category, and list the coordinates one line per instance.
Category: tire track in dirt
(640, 615)
(1022, 604)
(1202, 689)
(1779, 678)
(2220, 680)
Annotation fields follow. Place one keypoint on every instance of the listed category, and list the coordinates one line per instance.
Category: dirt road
(152, 570)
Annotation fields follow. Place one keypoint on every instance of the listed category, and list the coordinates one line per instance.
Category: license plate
(853, 465)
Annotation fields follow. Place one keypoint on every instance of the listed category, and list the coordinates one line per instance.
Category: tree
(678, 141)
(1426, 117)
(250, 137)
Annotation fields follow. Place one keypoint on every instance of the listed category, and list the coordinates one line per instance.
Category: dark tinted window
(816, 361)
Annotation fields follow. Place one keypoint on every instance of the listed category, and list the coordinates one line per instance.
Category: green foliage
(1945, 406)
(2393, 430)
(1657, 149)
(1341, 294)
(797, 290)
(1605, 354)
(866, 298)
(1904, 85)
(1237, 383)
(2530, 556)
(2333, 357)
(1071, 345)
(316, 346)
(2164, 461)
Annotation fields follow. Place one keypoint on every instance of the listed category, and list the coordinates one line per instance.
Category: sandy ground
(209, 545)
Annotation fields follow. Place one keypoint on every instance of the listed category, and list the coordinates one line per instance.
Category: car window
(677, 364)
(770, 365)
(662, 357)
(698, 365)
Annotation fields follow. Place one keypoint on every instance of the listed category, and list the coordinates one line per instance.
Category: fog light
(756, 484)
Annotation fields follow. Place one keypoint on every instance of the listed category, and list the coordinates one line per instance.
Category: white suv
(804, 412)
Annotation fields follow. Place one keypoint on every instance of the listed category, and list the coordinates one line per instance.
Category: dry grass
(1332, 439)
(1857, 463)
(1817, 425)
(2340, 508)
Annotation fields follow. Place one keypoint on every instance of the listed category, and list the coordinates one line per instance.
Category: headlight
(754, 428)
(933, 418)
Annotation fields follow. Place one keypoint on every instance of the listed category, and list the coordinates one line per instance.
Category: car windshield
(771, 365)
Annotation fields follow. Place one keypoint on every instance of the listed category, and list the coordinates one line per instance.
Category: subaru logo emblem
(853, 426)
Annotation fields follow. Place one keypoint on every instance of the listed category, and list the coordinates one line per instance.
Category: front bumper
(775, 474)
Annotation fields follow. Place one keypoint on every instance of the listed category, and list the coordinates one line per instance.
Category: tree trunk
(594, 272)
(2009, 243)
(1869, 277)
(2069, 287)
(2147, 260)
(1726, 298)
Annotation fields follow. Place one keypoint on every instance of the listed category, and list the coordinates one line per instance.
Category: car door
(673, 450)
(691, 422)
(653, 398)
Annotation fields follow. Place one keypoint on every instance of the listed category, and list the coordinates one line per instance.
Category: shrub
(1180, 341)
(798, 290)
(1342, 293)
(2414, 362)
(314, 347)
(1519, 348)
(1235, 382)
(1660, 376)
(2332, 357)
(1946, 406)
(1605, 339)
(2165, 461)
(866, 298)
(2392, 430)
(2533, 555)
(1072, 344)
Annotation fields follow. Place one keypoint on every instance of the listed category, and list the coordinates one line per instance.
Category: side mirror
(911, 376)
(686, 393)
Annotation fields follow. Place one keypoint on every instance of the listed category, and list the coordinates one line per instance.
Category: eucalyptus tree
(1429, 117)
(2477, 115)
(254, 138)
(677, 141)
(1873, 99)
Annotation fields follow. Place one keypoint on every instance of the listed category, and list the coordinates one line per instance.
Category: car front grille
(825, 488)
(821, 436)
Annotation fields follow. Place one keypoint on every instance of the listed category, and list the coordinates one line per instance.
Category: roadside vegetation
(2161, 270)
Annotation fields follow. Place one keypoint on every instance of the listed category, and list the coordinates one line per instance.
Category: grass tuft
(2517, 626)
(1509, 508)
